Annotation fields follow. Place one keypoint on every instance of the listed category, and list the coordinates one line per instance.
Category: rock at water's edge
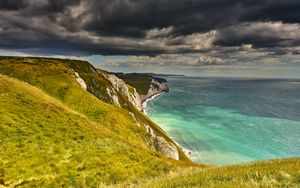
(155, 88)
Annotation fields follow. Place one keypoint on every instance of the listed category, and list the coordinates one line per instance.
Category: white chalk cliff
(80, 81)
(160, 144)
(154, 140)
(120, 87)
(155, 88)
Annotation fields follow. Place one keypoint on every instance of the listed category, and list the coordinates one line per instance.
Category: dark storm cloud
(261, 35)
(147, 27)
(278, 10)
(135, 17)
(12, 5)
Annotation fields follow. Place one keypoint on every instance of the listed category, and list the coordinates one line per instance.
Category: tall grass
(55, 134)
(273, 173)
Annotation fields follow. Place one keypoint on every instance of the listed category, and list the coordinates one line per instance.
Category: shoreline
(144, 103)
(188, 152)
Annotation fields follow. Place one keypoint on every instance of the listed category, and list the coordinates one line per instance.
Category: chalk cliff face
(154, 141)
(160, 144)
(156, 87)
(80, 81)
(119, 87)
(111, 89)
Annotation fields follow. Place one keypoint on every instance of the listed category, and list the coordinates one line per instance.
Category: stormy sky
(176, 36)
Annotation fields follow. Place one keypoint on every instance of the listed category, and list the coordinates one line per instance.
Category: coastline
(144, 103)
(187, 151)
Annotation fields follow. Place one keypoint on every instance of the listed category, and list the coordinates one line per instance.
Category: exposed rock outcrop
(80, 81)
(160, 144)
(154, 141)
(113, 95)
(156, 87)
(134, 119)
(120, 87)
(111, 89)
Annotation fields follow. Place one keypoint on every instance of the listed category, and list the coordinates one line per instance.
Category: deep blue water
(226, 121)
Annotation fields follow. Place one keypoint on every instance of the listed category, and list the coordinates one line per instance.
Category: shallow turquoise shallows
(227, 121)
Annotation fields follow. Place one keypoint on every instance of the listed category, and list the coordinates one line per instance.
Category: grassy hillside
(53, 133)
(273, 173)
(56, 78)
(140, 81)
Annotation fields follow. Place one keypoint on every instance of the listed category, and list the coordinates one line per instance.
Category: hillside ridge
(106, 87)
(61, 127)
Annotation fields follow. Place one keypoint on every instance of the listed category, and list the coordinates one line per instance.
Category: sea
(230, 120)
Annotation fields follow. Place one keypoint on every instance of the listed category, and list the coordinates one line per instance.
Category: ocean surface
(229, 121)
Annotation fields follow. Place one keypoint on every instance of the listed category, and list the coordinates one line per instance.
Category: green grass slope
(53, 133)
(272, 173)
(139, 81)
(56, 78)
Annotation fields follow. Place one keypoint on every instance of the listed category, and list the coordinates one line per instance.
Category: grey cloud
(114, 27)
(174, 60)
(260, 34)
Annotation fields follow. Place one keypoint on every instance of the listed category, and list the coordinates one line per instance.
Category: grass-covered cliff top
(53, 133)
(139, 81)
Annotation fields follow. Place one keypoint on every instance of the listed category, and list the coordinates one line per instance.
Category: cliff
(156, 86)
(66, 124)
(109, 88)
(153, 139)
(146, 84)
(118, 88)
(153, 87)
(101, 84)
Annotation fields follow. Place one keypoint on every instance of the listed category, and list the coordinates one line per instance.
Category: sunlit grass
(53, 134)
(273, 173)
(140, 81)
(57, 134)
(45, 142)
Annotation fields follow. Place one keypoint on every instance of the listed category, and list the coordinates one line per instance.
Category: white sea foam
(144, 105)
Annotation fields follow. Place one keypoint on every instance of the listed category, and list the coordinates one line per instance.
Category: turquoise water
(227, 121)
